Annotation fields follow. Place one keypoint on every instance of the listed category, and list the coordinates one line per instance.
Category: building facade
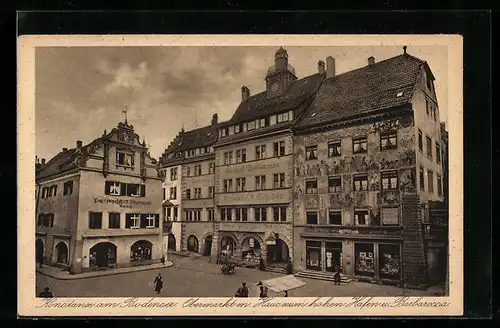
(98, 205)
(188, 166)
(367, 161)
(254, 169)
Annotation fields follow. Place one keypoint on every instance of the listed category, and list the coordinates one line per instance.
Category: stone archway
(207, 247)
(192, 244)
(39, 251)
(62, 253)
(141, 250)
(251, 248)
(171, 242)
(102, 254)
(277, 249)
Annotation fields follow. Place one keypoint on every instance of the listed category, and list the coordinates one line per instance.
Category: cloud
(126, 77)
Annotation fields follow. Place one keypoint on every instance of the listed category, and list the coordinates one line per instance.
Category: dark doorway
(333, 256)
(171, 241)
(208, 246)
(313, 255)
(103, 255)
(39, 250)
(141, 250)
(277, 253)
(62, 253)
(192, 244)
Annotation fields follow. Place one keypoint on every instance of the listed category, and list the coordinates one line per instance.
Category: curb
(78, 276)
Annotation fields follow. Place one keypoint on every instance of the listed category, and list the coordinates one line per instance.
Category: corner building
(367, 160)
(98, 205)
(254, 169)
(188, 169)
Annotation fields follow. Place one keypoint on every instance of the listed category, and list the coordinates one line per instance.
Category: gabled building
(254, 167)
(98, 205)
(187, 166)
(367, 160)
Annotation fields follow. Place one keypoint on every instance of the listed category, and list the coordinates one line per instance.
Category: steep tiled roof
(198, 138)
(64, 161)
(364, 90)
(260, 105)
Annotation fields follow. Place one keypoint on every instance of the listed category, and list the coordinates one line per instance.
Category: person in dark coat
(46, 293)
(163, 260)
(336, 276)
(263, 291)
(158, 283)
(242, 291)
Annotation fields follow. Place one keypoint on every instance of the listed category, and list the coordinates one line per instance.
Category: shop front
(277, 250)
(141, 251)
(102, 255)
(379, 261)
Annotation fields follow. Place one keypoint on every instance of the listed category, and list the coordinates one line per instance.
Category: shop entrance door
(333, 256)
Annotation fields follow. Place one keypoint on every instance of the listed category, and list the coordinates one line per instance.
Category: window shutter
(123, 189)
(143, 190)
(157, 220)
(128, 220)
(143, 220)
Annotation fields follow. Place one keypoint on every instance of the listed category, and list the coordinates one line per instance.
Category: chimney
(321, 67)
(330, 67)
(371, 60)
(65, 149)
(79, 144)
(215, 119)
(245, 93)
(443, 126)
(37, 160)
(43, 161)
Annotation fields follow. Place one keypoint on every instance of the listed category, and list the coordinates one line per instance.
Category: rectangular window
(388, 140)
(241, 156)
(68, 188)
(263, 122)
(260, 182)
(260, 152)
(251, 125)
(240, 184)
(334, 184)
(260, 214)
(359, 145)
(312, 217)
(210, 192)
(283, 117)
(228, 157)
(173, 174)
(188, 193)
(224, 132)
(389, 261)
(135, 190)
(197, 193)
(439, 185)
(237, 129)
(438, 153)
(279, 214)
(228, 185)
(364, 259)
(46, 220)
(312, 186)
(173, 193)
(334, 148)
(429, 147)
(360, 182)
(420, 141)
(45, 192)
(430, 181)
(225, 214)
(164, 190)
(114, 221)
(95, 220)
(334, 218)
(279, 180)
(421, 179)
(241, 214)
(311, 152)
(211, 168)
(210, 214)
(279, 149)
(150, 221)
(197, 169)
(125, 158)
(176, 213)
(389, 180)
(361, 218)
(188, 171)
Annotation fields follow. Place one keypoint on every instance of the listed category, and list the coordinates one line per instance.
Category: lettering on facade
(252, 167)
(125, 203)
(254, 197)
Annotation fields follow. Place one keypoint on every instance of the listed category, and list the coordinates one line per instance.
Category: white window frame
(135, 222)
(150, 219)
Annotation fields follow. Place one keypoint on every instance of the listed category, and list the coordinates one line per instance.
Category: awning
(282, 284)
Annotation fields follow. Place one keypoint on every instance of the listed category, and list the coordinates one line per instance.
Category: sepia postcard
(231, 175)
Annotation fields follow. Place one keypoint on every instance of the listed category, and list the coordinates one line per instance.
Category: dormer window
(263, 122)
(237, 129)
(224, 132)
(251, 125)
(283, 117)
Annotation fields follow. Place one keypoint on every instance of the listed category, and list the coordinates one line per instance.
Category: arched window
(62, 253)
(141, 251)
(277, 251)
(192, 245)
(227, 244)
(250, 249)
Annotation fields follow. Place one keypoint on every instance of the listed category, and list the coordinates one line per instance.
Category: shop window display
(250, 251)
(141, 251)
(389, 261)
(313, 255)
(365, 265)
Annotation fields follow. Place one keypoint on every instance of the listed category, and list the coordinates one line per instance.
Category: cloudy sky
(80, 91)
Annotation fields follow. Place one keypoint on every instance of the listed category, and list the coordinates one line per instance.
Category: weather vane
(124, 112)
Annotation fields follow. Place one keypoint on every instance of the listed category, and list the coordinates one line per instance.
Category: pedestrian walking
(163, 260)
(263, 292)
(46, 293)
(158, 283)
(336, 276)
(242, 291)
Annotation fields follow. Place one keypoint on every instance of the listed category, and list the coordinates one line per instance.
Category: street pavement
(195, 277)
